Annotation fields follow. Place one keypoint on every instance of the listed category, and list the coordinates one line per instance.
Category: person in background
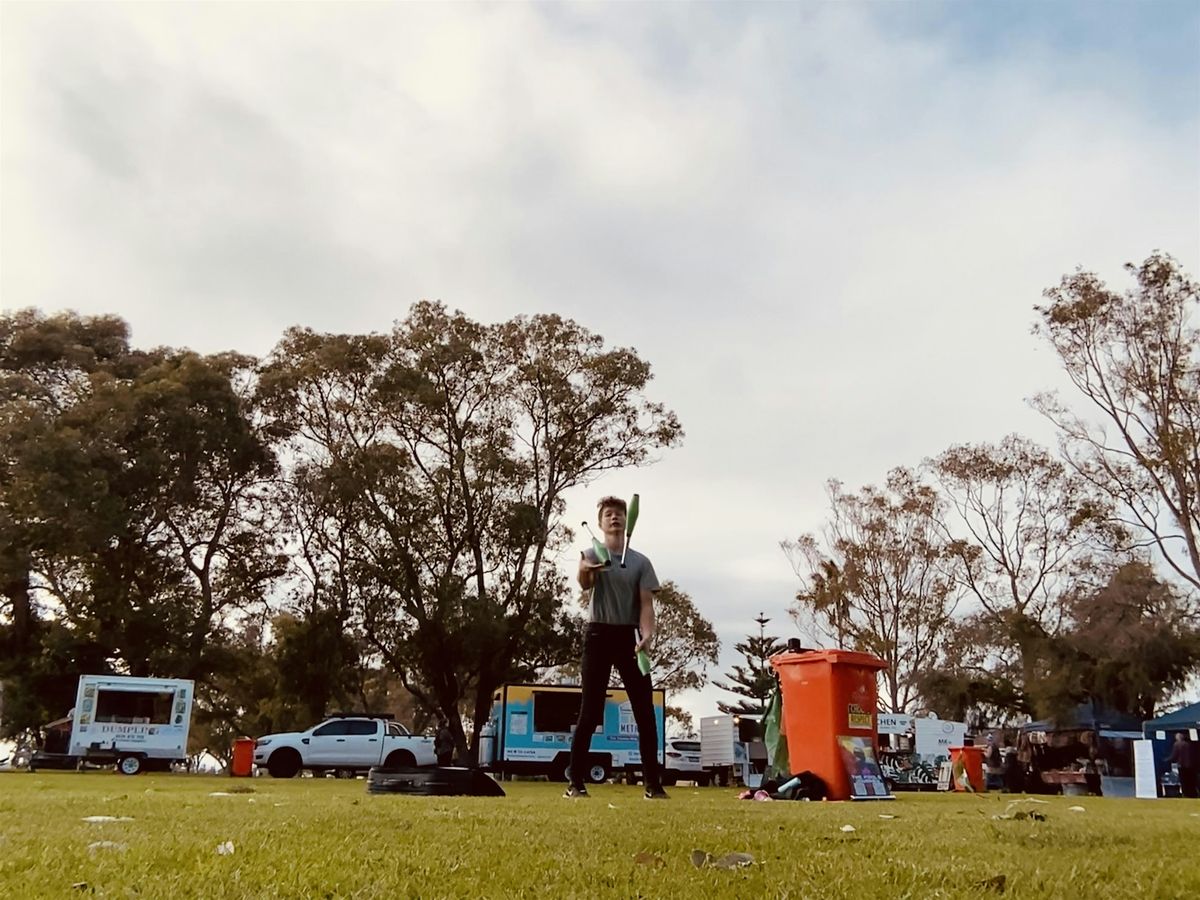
(443, 744)
(993, 763)
(1184, 755)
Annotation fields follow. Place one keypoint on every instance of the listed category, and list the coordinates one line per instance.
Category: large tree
(1128, 646)
(754, 680)
(880, 579)
(1134, 358)
(132, 492)
(1024, 532)
(434, 462)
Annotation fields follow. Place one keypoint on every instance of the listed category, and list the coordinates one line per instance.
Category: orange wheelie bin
(972, 765)
(829, 699)
(243, 758)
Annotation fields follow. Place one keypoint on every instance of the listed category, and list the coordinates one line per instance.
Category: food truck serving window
(555, 711)
(134, 707)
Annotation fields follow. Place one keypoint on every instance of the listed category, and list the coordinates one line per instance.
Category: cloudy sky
(825, 225)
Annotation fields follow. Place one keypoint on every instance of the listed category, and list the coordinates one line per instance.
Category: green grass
(327, 838)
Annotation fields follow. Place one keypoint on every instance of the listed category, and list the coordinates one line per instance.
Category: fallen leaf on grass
(1011, 811)
(105, 845)
(79, 886)
(847, 829)
(995, 883)
(648, 859)
(701, 859)
(225, 849)
(733, 861)
(96, 820)
(1076, 809)
(220, 794)
(886, 816)
(610, 806)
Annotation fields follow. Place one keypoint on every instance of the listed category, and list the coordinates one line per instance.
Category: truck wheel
(399, 759)
(284, 764)
(129, 765)
(597, 773)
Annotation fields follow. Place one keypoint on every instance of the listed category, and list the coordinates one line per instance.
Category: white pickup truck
(345, 744)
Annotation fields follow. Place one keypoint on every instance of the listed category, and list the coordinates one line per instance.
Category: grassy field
(327, 838)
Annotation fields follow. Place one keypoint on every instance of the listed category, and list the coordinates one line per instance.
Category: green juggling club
(598, 548)
(630, 520)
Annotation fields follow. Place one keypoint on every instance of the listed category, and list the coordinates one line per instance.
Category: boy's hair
(606, 502)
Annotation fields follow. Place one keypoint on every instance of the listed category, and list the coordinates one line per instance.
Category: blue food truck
(529, 732)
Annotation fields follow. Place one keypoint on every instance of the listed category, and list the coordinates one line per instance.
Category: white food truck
(141, 724)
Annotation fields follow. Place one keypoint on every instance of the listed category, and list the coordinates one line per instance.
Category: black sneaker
(655, 793)
(575, 791)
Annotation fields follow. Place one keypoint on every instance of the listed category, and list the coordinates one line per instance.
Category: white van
(137, 723)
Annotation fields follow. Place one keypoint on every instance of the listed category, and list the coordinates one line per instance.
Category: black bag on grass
(439, 781)
(803, 786)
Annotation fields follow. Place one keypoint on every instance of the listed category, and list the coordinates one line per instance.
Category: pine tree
(756, 679)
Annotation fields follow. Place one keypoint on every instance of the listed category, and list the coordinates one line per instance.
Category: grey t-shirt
(616, 595)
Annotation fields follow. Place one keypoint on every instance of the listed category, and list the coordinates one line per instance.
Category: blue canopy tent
(1059, 759)
(1167, 725)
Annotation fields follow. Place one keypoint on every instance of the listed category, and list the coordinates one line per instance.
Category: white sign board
(1145, 783)
(716, 741)
(935, 737)
(894, 723)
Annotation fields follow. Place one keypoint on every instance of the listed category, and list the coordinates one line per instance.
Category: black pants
(1188, 786)
(605, 646)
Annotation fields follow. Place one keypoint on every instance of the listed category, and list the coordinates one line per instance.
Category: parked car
(345, 743)
(683, 763)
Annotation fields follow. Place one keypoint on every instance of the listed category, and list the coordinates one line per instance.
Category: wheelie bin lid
(835, 657)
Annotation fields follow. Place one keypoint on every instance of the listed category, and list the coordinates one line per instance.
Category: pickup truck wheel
(284, 763)
(399, 759)
(129, 765)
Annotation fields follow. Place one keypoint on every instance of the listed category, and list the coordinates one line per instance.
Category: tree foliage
(1134, 358)
(754, 680)
(1023, 531)
(1128, 646)
(880, 580)
(427, 487)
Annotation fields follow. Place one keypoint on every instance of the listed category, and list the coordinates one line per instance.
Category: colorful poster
(866, 781)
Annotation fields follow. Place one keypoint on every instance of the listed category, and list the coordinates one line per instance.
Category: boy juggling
(620, 624)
